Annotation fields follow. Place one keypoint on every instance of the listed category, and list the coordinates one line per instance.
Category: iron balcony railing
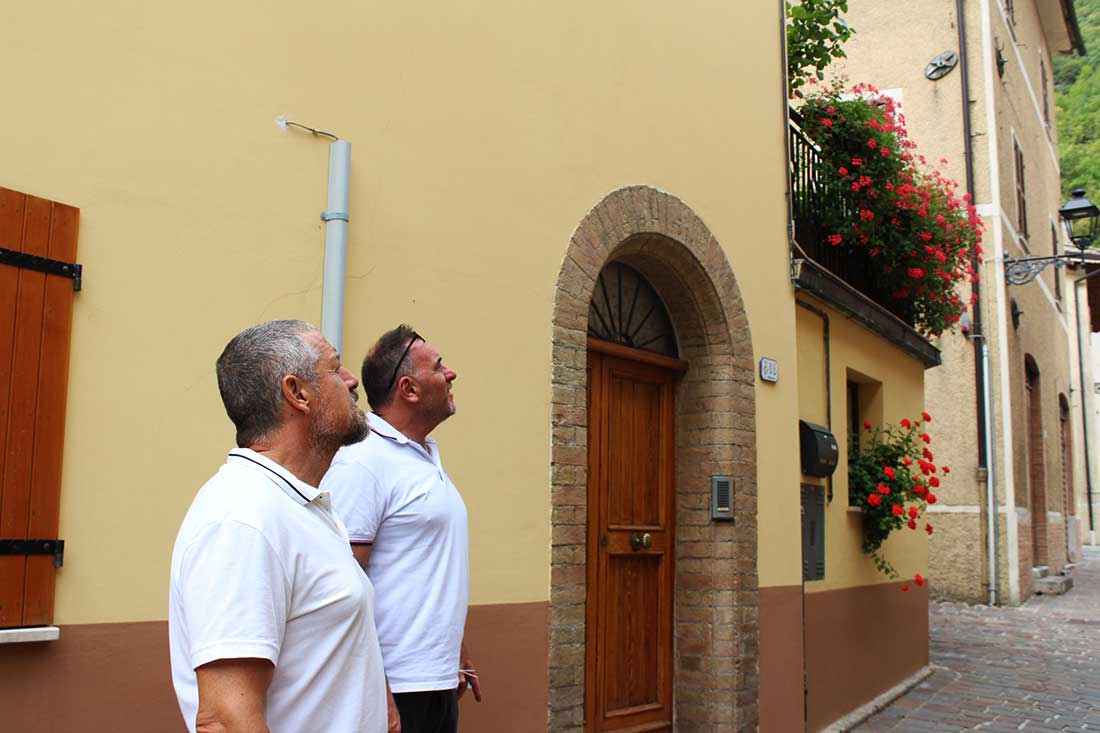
(812, 198)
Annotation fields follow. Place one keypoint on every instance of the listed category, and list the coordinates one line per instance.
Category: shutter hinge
(35, 547)
(43, 264)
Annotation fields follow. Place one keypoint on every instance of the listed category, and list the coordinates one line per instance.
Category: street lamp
(1081, 219)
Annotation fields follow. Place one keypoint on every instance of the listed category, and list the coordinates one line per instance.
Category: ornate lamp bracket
(1024, 270)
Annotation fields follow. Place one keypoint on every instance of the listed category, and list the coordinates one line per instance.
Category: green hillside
(1077, 85)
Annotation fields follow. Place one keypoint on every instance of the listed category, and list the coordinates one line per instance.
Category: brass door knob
(641, 541)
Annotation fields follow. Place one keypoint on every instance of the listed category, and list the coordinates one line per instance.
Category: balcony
(841, 275)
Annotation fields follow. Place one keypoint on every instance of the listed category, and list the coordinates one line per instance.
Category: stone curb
(861, 714)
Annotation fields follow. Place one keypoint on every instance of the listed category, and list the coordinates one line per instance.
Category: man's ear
(407, 389)
(297, 393)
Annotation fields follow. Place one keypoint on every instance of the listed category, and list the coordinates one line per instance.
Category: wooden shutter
(35, 325)
(813, 532)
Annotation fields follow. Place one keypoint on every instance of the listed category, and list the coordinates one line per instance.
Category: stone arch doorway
(1036, 465)
(714, 654)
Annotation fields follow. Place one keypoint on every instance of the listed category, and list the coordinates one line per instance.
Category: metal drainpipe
(992, 532)
(968, 158)
(336, 243)
(981, 351)
(789, 198)
(1084, 411)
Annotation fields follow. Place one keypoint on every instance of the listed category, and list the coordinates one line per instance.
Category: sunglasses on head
(397, 367)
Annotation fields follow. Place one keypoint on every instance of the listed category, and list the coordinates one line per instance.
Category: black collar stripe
(273, 473)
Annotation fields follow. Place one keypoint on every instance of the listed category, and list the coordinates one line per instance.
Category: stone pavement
(1032, 668)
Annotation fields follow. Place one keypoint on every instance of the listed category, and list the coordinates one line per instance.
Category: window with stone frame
(1021, 190)
(864, 405)
(1046, 91)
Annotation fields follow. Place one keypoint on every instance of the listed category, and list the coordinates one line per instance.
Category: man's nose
(349, 378)
(451, 374)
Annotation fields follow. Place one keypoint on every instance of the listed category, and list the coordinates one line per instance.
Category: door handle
(641, 541)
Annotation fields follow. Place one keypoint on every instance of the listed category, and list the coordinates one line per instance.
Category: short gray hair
(251, 370)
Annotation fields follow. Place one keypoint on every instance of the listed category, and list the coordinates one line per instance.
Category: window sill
(23, 636)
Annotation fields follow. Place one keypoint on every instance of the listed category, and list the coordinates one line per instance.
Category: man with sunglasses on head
(407, 526)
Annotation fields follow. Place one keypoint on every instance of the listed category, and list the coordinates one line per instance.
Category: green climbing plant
(816, 30)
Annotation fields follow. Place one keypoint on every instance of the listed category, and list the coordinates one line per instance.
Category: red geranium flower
(928, 528)
(907, 461)
(919, 579)
(928, 454)
(913, 512)
(874, 499)
(882, 489)
(926, 417)
(945, 469)
(912, 524)
(905, 423)
(934, 482)
(905, 589)
(889, 472)
(926, 439)
(867, 426)
(896, 510)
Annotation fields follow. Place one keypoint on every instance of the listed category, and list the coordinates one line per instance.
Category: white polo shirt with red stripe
(393, 493)
(262, 569)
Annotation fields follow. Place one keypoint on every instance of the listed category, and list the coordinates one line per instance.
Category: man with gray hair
(270, 620)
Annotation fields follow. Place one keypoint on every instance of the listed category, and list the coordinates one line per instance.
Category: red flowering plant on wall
(918, 234)
(892, 477)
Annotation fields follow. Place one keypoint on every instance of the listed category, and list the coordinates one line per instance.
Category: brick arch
(716, 600)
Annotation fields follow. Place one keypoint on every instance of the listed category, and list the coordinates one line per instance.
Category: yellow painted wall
(855, 352)
(481, 135)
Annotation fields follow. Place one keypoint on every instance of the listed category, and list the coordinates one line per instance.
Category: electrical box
(813, 532)
(819, 449)
(721, 498)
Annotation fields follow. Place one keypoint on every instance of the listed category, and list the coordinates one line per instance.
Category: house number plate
(769, 370)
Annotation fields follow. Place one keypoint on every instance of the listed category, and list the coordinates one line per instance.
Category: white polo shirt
(393, 493)
(262, 568)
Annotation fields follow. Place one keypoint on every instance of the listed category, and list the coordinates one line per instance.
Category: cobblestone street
(1032, 668)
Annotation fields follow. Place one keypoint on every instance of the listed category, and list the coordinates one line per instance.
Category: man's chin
(359, 430)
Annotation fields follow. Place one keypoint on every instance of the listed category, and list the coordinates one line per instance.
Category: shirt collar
(291, 485)
(379, 425)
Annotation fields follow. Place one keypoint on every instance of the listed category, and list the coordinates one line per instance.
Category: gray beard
(330, 442)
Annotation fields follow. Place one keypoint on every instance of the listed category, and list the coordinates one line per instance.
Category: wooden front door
(628, 657)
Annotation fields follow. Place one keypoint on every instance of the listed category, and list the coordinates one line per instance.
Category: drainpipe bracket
(334, 216)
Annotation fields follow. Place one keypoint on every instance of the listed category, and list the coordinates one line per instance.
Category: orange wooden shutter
(35, 327)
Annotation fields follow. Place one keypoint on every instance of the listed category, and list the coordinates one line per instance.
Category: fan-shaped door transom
(625, 309)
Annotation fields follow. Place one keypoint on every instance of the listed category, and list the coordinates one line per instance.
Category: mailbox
(819, 449)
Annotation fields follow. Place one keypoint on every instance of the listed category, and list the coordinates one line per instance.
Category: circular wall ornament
(940, 66)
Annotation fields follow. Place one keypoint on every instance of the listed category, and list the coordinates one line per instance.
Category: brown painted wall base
(509, 645)
(781, 705)
(860, 642)
(99, 677)
(116, 677)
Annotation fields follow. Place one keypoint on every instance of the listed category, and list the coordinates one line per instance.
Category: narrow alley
(1032, 668)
